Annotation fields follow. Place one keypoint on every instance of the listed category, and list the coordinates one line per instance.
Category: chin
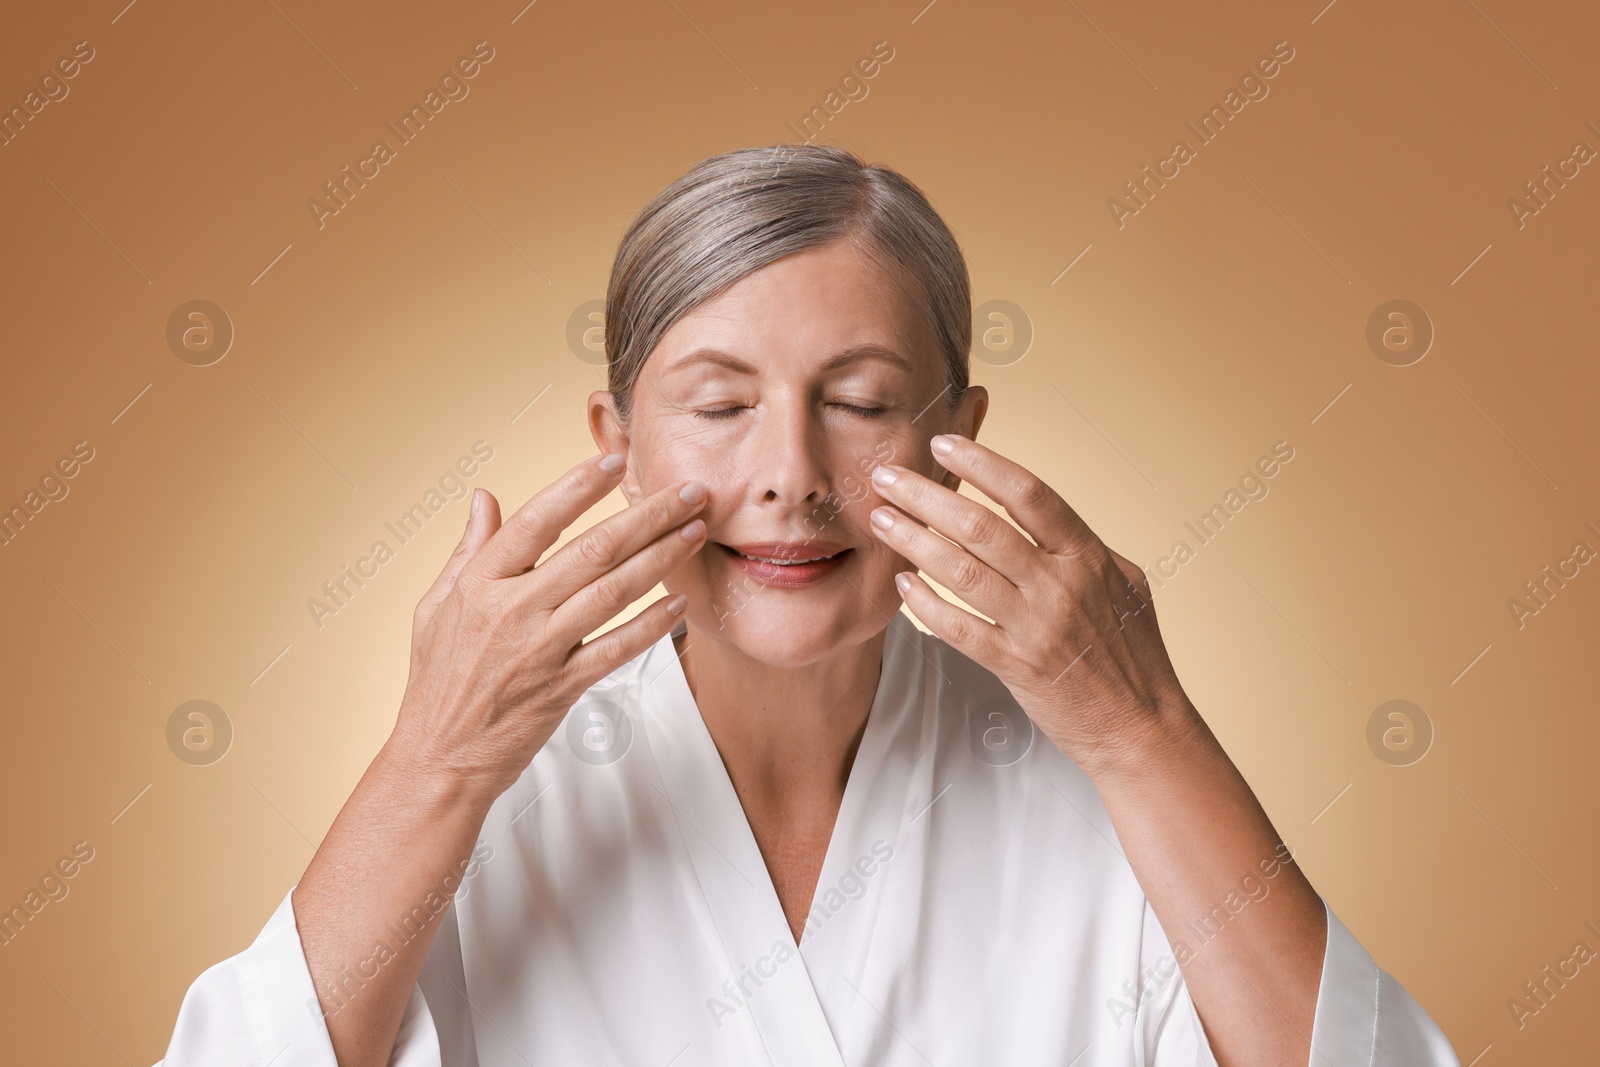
(787, 628)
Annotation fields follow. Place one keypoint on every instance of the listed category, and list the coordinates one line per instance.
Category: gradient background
(371, 353)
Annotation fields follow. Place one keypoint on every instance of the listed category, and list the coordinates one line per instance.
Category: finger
(483, 519)
(978, 640)
(605, 653)
(602, 547)
(1038, 509)
(609, 593)
(966, 522)
(952, 566)
(518, 543)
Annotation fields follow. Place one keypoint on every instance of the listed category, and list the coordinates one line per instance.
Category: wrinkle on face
(790, 459)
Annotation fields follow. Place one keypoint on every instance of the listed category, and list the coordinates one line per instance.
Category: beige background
(429, 312)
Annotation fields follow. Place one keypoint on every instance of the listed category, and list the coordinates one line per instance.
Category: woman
(768, 820)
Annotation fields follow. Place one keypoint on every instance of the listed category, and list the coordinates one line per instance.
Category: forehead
(804, 308)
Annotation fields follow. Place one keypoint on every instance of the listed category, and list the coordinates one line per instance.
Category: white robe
(973, 908)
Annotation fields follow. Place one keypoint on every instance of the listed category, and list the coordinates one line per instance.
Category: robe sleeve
(260, 1008)
(1364, 1018)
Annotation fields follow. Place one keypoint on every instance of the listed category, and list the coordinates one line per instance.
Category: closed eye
(715, 414)
(719, 413)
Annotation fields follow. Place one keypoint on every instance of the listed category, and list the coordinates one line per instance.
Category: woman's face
(781, 395)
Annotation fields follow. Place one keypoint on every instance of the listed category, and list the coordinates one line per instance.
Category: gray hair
(734, 213)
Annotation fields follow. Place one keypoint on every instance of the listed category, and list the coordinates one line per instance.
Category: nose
(786, 455)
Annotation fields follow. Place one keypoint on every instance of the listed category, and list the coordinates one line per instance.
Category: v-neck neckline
(663, 675)
(901, 642)
(745, 907)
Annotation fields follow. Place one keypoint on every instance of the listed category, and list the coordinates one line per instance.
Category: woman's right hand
(497, 657)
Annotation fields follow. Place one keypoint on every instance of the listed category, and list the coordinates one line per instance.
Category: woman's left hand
(1074, 636)
(1075, 640)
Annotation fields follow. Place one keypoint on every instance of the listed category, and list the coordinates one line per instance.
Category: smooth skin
(778, 398)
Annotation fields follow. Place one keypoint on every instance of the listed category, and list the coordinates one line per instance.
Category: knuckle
(528, 519)
(1080, 547)
(665, 552)
(470, 599)
(1032, 493)
(963, 630)
(598, 546)
(467, 584)
(659, 512)
(572, 485)
(611, 591)
(976, 526)
(966, 572)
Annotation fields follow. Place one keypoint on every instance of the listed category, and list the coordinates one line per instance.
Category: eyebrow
(853, 354)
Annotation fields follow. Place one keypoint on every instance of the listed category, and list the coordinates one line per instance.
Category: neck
(787, 735)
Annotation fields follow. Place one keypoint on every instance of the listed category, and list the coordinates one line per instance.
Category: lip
(786, 549)
(790, 575)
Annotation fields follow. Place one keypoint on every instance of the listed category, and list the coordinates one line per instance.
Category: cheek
(665, 459)
(903, 446)
(677, 453)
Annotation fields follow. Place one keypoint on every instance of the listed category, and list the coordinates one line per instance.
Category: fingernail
(902, 582)
(692, 493)
(882, 518)
(472, 512)
(694, 531)
(883, 476)
(943, 444)
(676, 605)
(612, 462)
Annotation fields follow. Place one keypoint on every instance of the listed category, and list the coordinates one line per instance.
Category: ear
(612, 436)
(965, 422)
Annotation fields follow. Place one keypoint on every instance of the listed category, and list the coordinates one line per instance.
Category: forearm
(1247, 929)
(370, 902)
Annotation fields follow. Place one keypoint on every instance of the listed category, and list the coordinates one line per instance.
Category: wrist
(437, 785)
(1172, 736)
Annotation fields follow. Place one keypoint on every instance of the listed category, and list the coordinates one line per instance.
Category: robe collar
(780, 988)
